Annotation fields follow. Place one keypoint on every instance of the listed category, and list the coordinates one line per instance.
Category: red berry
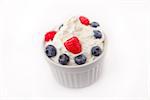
(84, 20)
(73, 45)
(49, 35)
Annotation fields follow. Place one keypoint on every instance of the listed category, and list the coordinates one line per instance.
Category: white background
(25, 74)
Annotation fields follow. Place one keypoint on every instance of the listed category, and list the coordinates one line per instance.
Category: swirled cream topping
(75, 37)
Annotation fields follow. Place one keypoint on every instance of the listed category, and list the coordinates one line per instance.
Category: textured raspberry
(84, 20)
(73, 45)
(49, 35)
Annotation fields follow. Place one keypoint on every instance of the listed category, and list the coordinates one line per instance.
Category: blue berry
(94, 24)
(50, 51)
(97, 34)
(96, 51)
(61, 26)
(64, 59)
(80, 59)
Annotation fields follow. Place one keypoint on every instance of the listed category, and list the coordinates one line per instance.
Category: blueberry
(96, 51)
(61, 26)
(97, 34)
(50, 51)
(64, 59)
(80, 59)
(94, 24)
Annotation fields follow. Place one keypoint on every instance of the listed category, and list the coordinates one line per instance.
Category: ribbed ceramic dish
(76, 76)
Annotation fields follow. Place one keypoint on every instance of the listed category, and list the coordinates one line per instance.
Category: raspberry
(73, 45)
(49, 35)
(84, 20)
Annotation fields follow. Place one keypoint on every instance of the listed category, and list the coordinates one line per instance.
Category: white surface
(25, 73)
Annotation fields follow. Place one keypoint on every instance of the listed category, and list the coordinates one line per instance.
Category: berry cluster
(73, 45)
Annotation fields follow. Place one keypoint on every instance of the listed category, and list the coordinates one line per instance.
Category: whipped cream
(73, 27)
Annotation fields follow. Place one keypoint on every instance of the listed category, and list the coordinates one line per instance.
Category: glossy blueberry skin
(64, 59)
(50, 51)
(80, 59)
(97, 34)
(94, 24)
(96, 51)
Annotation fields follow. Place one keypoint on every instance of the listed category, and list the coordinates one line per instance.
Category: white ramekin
(77, 76)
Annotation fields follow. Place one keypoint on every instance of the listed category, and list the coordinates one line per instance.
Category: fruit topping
(96, 51)
(94, 24)
(49, 35)
(64, 59)
(50, 51)
(73, 45)
(80, 59)
(84, 20)
(97, 34)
